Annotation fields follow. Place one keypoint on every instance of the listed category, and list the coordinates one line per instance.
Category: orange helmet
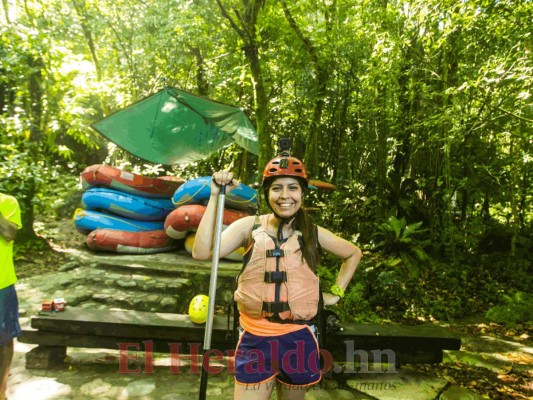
(285, 165)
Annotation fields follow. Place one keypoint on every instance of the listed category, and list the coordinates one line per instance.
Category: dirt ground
(58, 237)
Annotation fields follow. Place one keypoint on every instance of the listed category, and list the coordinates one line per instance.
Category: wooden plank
(419, 337)
(405, 331)
(57, 339)
(41, 357)
(366, 337)
(132, 324)
(178, 327)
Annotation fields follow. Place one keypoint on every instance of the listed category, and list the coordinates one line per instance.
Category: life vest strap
(275, 306)
(278, 320)
(275, 276)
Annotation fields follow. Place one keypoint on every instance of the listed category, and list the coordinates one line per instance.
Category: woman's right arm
(233, 237)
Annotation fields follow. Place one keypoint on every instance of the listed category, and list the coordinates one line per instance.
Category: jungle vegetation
(419, 111)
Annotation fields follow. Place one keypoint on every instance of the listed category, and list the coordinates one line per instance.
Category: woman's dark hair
(311, 247)
(305, 224)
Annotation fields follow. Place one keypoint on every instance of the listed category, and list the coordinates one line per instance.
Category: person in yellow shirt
(9, 326)
(278, 293)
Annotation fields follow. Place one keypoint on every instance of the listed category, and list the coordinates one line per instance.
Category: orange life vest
(276, 283)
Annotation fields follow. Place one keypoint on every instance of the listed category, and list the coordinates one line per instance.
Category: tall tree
(245, 23)
(321, 82)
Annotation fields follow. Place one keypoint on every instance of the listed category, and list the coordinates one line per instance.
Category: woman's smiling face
(285, 196)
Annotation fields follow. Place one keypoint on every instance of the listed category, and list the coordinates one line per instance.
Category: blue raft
(126, 204)
(87, 221)
(197, 191)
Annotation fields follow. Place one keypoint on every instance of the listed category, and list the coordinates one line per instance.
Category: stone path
(164, 282)
(159, 282)
(95, 375)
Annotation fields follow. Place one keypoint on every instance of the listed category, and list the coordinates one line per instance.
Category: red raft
(187, 218)
(126, 242)
(104, 175)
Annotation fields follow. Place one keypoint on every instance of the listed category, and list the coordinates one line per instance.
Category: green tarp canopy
(176, 127)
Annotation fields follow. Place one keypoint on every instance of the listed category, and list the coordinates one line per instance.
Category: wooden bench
(161, 332)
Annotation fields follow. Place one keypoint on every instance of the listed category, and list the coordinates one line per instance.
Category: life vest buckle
(275, 253)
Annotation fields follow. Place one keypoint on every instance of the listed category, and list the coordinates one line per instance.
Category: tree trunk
(247, 30)
(322, 75)
(27, 216)
(262, 110)
(5, 4)
(201, 82)
(81, 10)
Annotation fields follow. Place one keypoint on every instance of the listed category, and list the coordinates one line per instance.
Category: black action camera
(284, 145)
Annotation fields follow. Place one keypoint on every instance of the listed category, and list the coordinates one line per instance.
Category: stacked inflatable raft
(125, 212)
(190, 200)
(129, 213)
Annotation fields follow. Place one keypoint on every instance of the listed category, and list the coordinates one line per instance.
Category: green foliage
(517, 308)
(396, 236)
(420, 110)
(354, 306)
(399, 240)
(21, 250)
(348, 211)
(34, 181)
(61, 194)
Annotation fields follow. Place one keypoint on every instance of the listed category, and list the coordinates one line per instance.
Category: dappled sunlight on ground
(46, 388)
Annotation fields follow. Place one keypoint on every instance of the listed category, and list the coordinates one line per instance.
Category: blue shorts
(9, 315)
(293, 358)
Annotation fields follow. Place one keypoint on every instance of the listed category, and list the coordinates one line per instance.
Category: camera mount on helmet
(284, 145)
(285, 164)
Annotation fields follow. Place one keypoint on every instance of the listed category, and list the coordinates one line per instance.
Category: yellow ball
(198, 309)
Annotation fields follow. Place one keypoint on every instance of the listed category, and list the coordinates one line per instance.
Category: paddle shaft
(212, 292)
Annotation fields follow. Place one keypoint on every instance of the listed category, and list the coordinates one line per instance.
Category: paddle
(212, 292)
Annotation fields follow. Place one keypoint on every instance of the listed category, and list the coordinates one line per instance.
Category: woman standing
(278, 290)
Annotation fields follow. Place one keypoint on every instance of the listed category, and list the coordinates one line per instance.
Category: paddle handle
(212, 291)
